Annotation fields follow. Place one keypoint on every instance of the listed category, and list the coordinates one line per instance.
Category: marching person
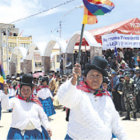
(46, 97)
(29, 120)
(93, 115)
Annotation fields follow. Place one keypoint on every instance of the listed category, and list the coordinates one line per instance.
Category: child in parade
(29, 120)
(45, 97)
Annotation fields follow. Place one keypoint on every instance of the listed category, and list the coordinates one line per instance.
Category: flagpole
(81, 38)
(79, 53)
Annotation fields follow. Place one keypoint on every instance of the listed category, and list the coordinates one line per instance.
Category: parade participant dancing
(46, 97)
(93, 115)
(29, 120)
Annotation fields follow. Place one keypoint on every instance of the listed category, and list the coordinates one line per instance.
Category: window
(25, 45)
(38, 64)
(12, 45)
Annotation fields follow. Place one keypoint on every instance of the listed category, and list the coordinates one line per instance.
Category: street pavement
(59, 126)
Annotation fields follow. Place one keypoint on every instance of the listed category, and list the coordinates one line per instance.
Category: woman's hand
(49, 132)
(76, 73)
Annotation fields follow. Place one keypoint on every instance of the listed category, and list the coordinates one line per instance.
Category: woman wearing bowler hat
(29, 121)
(93, 115)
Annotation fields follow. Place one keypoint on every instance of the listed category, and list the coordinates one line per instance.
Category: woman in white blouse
(92, 112)
(29, 121)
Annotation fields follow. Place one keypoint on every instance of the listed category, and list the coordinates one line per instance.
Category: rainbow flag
(2, 76)
(99, 7)
(89, 18)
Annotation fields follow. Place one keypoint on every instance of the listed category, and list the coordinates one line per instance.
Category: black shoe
(126, 118)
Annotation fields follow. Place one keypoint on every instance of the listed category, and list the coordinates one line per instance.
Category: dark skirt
(68, 137)
(15, 134)
(48, 106)
(0, 110)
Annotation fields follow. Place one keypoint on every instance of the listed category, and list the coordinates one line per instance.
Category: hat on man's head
(27, 79)
(98, 63)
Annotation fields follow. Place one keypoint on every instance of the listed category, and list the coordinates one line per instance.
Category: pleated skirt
(16, 134)
(48, 106)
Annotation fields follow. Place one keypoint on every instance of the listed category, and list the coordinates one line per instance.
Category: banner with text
(111, 41)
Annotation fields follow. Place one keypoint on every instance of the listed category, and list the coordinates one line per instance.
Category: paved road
(59, 126)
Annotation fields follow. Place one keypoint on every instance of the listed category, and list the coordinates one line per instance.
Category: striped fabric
(99, 7)
(93, 8)
(89, 18)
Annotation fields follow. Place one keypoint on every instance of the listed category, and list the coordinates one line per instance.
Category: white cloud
(14, 10)
(17, 9)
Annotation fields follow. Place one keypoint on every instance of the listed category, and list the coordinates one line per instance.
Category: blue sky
(45, 27)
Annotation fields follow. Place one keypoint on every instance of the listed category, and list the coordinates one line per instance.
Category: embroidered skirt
(48, 106)
(0, 110)
(16, 134)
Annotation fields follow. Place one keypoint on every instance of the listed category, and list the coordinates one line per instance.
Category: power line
(59, 29)
(59, 5)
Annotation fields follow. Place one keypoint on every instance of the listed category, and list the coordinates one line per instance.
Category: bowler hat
(45, 79)
(27, 79)
(98, 63)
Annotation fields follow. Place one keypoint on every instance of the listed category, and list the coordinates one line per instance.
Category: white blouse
(26, 115)
(91, 117)
(2, 95)
(44, 93)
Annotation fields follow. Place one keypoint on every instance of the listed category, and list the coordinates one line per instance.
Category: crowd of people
(123, 67)
(119, 79)
(124, 79)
